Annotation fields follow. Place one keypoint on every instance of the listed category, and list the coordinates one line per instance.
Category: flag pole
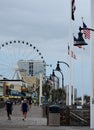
(72, 8)
(82, 79)
(67, 88)
(82, 73)
(92, 66)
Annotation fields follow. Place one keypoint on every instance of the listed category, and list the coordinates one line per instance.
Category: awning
(15, 94)
(26, 94)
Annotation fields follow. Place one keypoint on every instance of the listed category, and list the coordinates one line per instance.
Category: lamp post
(44, 75)
(92, 65)
(59, 69)
(52, 76)
(52, 85)
(55, 79)
(56, 87)
(62, 77)
(81, 43)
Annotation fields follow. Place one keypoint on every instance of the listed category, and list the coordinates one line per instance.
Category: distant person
(30, 102)
(24, 108)
(9, 108)
(34, 102)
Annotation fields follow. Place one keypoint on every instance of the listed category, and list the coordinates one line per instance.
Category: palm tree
(58, 95)
(46, 91)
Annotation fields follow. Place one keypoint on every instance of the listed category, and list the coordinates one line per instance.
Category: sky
(48, 25)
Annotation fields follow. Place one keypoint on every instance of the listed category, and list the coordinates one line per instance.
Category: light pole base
(92, 116)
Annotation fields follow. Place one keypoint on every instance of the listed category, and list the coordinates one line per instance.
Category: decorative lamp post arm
(64, 63)
(80, 28)
(62, 78)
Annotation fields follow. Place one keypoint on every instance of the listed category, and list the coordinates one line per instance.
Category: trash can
(53, 115)
(45, 109)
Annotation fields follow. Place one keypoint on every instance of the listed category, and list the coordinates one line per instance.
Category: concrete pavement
(34, 117)
(43, 128)
(34, 121)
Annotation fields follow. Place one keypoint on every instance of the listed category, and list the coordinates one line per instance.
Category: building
(1, 89)
(53, 81)
(11, 87)
(32, 68)
(73, 94)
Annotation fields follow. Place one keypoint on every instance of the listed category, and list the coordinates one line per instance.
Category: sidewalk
(34, 117)
(34, 121)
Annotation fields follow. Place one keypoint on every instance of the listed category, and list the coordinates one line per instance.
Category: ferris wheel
(13, 51)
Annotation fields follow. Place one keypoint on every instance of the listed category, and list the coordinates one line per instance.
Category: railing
(79, 118)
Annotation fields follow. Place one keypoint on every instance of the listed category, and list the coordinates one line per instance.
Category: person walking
(24, 108)
(9, 108)
(34, 102)
(30, 102)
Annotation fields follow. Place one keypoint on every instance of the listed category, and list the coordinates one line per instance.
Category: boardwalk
(34, 121)
(34, 116)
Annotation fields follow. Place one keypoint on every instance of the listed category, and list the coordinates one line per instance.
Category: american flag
(86, 31)
(71, 53)
(73, 8)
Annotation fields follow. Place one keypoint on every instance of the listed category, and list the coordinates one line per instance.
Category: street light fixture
(53, 74)
(55, 79)
(52, 78)
(80, 40)
(62, 77)
(59, 69)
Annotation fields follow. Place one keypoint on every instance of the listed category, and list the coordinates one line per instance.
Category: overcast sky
(48, 25)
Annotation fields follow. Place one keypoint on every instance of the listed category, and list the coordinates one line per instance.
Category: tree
(58, 95)
(87, 98)
(46, 91)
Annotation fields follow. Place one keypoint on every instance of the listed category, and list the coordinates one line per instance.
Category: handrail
(78, 117)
